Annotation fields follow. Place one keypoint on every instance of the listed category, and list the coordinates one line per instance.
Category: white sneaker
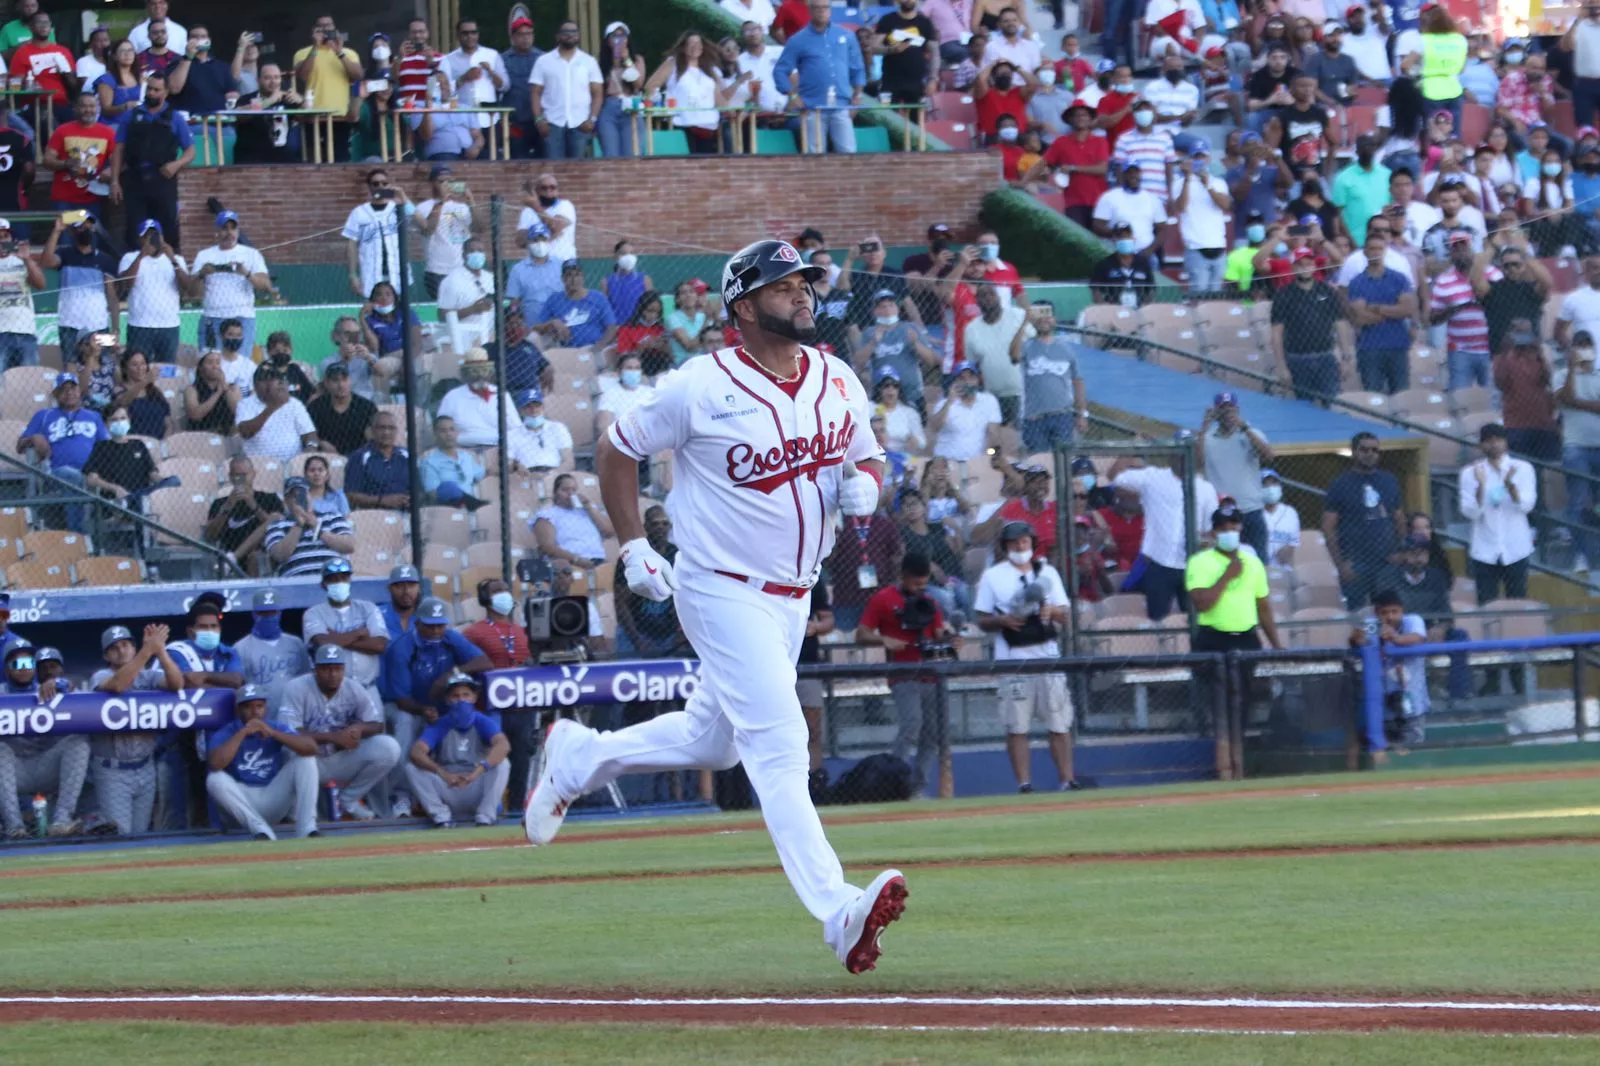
(400, 805)
(883, 902)
(357, 810)
(547, 805)
(1581, 564)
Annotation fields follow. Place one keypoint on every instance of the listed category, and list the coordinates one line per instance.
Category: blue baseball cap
(1270, 475)
(334, 567)
(330, 655)
(150, 224)
(963, 367)
(1224, 399)
(439, 170)
(225, 217)
(524, 397)
(433, 611)
(66, 378)
(537, 230)
(888, 373)
(249, 694)
(572, 264)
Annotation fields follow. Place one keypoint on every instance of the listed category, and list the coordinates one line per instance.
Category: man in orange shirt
(78, 152)
(49, 64)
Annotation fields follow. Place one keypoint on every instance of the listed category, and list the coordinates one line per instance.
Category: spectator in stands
(1456, 298)
(262, 769)
(1577, 389)
(1021, 600)
(1580, 309)
(1361, 189)
(87, 302)
(577, 317)
(417, 67)
(1582, 39)
(303, 542)
(200, 83)
(79, 152)
(1002, 90)
(273, 423)
(1268, 89)
(1529, 409)
(156, 59)
(497, 635)
(341, 716)
(1362, 521)
(526, 366)
(648, 629)
(209, 404)
(630, 392)
(866, 557)
(450, 475)
(519, 61)
(153, 145)
(62, 437)
(329, 71)
(119, 465)
(230, 274)
(693, 79)
(352, 356)
(152, 277)
(1423, 587)
(372, 232)
(1282, 520)
(323, 497)
(571, 528)
(1381, 304)
(378, 474)
(902, 423)
(445, 219)
(1397, 256)
(1047, 114)
(827, 68)
(993, 344)
(538, 442)
(1232, 453)
(1011, 45)
(139, 396)
(1229, 588)
(1202, 204)
(280, 357)
(237, 521)
(903, 619)
(1158, 570)
(1078, 161)
(478, 72)
(1176, 100)
(19, 30)
(1302, 129)
(384, 333)
(626, 284)
(624, 72)
(1303, 336)
(472, 403)
(892, 344)
(937, 542)
(961, 420)
(467, 298)
(533, 281)
(943, 496)
(567, 95)
(1524, 94)
(1405, 681)
(1036, 508)
(1152, 149)
(1140, 209)
(1453, 222)
(1257, 184)
(1497, 494)
(48, 65)
(1125, 277)
(687, 320)
(122, 85)
(1334, 71)
(263, 137)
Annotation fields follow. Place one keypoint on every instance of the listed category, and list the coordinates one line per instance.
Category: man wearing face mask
(232, 274)
(1133, 205)
(87, 301)
(1077, 162)
(205, 661)
(1282, 521)
(1151, 149)
(1114, 108)
(472, 403)
(1001, 89)
(1229, 590)
(466, 298)
(1361, 189)
(1175, 98)
(1232, 453)
(1125, 277)
(1582, 40)
(269, 656)
(49, 764)
(1202, 204)
(460, 764)
(1047, 106)
(1497, 494)
(893, 344)
(534, 279)
(352, 751)
(417, 663)
(1525, 93)
(1239, 271)
(351, 624)
(1577, 392)
(631, 391)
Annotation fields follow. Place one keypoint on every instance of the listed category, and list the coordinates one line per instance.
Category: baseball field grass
(1394, 917)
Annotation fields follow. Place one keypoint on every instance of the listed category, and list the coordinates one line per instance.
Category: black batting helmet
(760, 264)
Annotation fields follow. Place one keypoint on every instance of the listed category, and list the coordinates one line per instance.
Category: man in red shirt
(997, 271)
(1036, 509)
(1072, 69)
(498, 636)
(48, 63)
(1079, 161)
(78, 152)
(792, 17)
(416, 64)
(962, 306)
(1115, 112)
(903, 618)
(1001, 89)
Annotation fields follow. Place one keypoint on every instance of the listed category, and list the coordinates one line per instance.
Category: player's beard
(787, 328)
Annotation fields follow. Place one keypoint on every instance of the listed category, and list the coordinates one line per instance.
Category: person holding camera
(909, 626)
(1405, 681)
(329, 71)
(1022, 601)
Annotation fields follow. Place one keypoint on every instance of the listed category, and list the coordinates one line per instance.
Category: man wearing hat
(1125, 277)
(1078, 162)
(472, 403)
(1036, 509)
(535, 278)
(576, 317)
(261, 769)
(416, 664)
(466, 298)
(61, 438)
(1232, 453)
(1267, 89)
(519, 62)
(1456, 300)
(269, 656)
(1282, 520)
(893, 344)
(124, 764)
(536, 442)
(231, 274)
(340, 417)
(51, 666)
(49, 763)
(352, 624)
(1304, 339)
(1228, 587)
(1366, 42)
(347, 726)
(1131, 203)
(965, 420)
(1335, 72)
(460, 765)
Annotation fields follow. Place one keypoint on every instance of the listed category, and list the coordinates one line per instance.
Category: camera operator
(1405, 681)
(911, 628)
(1022, 601)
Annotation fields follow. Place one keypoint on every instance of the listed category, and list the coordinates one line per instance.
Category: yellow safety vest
(1444, 56)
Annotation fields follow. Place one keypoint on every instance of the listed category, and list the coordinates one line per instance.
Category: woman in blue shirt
(324, 498)
(380, 322)
(120, 88)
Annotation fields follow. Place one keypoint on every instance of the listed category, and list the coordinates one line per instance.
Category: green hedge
(1039, 240)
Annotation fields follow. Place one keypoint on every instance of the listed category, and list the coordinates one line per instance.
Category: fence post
(496, 208)
(408, 359)
(1224, 702)
(1579, 724)
(941, 698)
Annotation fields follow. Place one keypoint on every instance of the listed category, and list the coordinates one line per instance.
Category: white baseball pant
(745, 709)
(127, 795)
(59, 769)
(404, 727)
(480, 799)
(356, 770)
(259, 807)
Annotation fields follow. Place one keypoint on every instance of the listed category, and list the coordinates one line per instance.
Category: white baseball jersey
(755, 474)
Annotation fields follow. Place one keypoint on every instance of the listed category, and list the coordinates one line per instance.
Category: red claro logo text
(779, 465)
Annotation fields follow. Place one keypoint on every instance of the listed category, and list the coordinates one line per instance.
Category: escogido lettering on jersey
(777, 466)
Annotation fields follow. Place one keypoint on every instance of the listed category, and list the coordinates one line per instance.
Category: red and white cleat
(884, 901)
(547, 807)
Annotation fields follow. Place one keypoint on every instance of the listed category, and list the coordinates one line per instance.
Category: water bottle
(833, 98)
(434, 95)
(41, 815)
(333, 801)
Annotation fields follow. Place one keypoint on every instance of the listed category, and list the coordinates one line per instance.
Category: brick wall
(712, 204)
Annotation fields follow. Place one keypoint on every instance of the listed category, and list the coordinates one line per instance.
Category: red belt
(794, 592)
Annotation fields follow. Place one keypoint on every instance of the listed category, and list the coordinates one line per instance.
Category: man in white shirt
(466, 299)
(155, 11)
(1128, 203)
(1497, 494)
(761, 12)
(19, 275)
(471, 403)
(1175, 97)
(1580, 309)
(372, 231)
(535, 441)
(1012, 45)
(566, 95)
(961, 421)
(1582, 39)
(1201, 202)
(1367, 43)
(445, 219)
(273, 424)
(232, 274)
(993, 343)
(757, 60)
(478, 72)
(152, 276)
(1420, 217)
(1163, 553)
(545, 204)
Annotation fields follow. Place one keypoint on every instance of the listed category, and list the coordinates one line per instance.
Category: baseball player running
(261, 769)
(124, 764)
(458, 765)
(770, 442)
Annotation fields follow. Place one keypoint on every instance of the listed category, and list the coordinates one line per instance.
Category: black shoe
(1025, 789)
(262, 836)
(444, 825)
(1072, 784)
(314, 833)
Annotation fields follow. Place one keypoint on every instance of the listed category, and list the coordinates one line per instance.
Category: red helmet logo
(785, 253)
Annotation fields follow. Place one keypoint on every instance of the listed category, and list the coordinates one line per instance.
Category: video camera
(917, 615)
(556, 625)
(1035, 630)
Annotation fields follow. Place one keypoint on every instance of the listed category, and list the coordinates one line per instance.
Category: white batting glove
(858, 492)
(648, 573)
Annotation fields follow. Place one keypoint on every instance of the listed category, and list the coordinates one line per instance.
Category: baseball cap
(1332, 26)
(1226, 513)
(1213, 52)
(963, 367)
(1587, 131)
(1082, 463)
(615, 26)
(572, 264)
(48, 654)
(888, 373)
(1224, 399)
(144, 227)
(225, 217)
(458, 678)
(1033, 470)
(1200, 152)
(66, 378)
(699, 286)
(537, 230)
(5, 224)
(1301, 253)
(884, 294)
(292, 483)
(1459, 236)
(1255, 216)
(330, 655)
(113, 634)
(438, 171)
(1353, 8)
(21, 644)
(1270, 475)
(1105, 66)
(521, 24)
(1524, 338)
(1278, 45)
(1312, 219)
(265, 600)
(336, 566)
(403, 573)
(938, 229)
(1182, 435)
(1012, 530)
(524, 397)
(249, 694)
(433, 611)
(1249, 137)
(335, 369)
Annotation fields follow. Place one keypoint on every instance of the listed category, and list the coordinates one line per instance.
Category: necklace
(771, 374)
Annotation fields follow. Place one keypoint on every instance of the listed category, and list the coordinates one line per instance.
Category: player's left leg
(491, 787)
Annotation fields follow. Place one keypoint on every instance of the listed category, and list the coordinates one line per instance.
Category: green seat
(776, 142)
(670, 142)
(872, 139)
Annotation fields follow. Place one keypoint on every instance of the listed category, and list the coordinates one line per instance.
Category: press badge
(866, 576)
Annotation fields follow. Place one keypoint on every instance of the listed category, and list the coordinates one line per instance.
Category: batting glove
(858, 492)
(648, 573)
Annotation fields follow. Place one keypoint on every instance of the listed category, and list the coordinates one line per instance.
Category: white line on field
(836, 1001)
